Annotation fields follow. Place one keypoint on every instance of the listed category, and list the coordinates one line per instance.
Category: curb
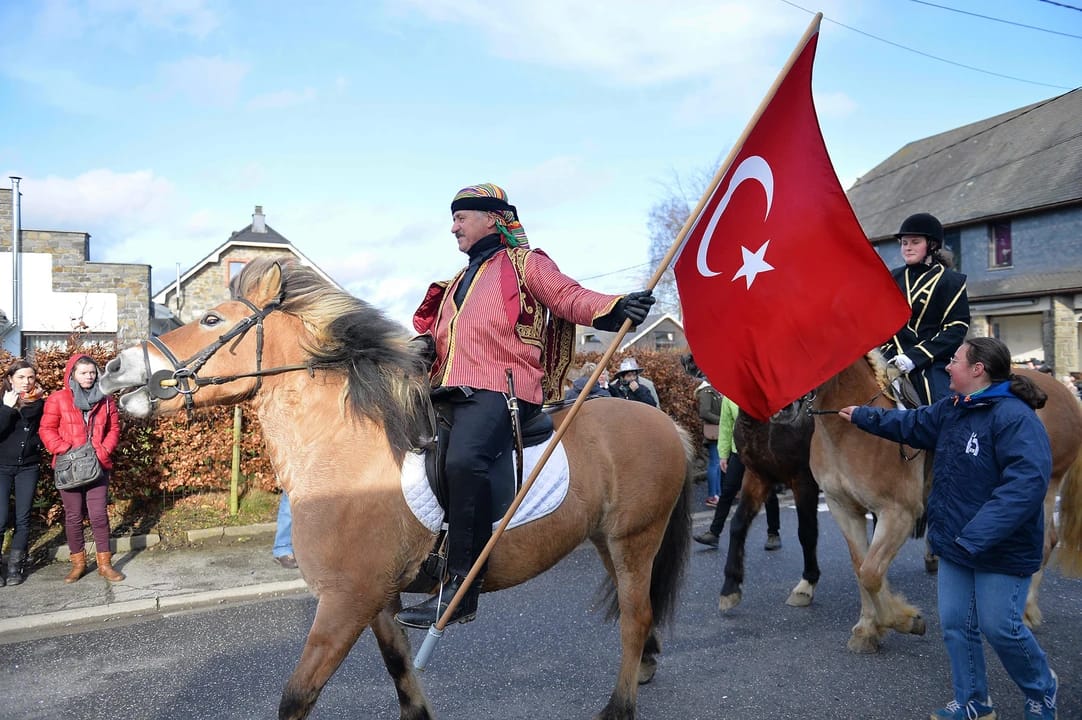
(159, 604)
(62, 553)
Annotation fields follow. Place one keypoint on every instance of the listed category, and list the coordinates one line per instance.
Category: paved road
(537, 651)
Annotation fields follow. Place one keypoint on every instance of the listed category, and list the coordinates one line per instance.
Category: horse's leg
(395, 647)
(806, 498)
(339, 621)
(864, 637)
(652, 647)
(894, 526)
(751, 500)
(633, 555)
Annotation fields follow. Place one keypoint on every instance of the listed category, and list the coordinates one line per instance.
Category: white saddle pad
(546, 494)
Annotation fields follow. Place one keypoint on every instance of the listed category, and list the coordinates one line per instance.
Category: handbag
(77, 467)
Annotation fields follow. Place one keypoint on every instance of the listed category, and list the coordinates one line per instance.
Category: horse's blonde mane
(387, 378)
(879, 367)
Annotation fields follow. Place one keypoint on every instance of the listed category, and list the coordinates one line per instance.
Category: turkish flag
(780, 288)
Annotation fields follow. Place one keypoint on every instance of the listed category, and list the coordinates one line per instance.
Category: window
(588, 338)
(663, 340)
(32, 342)
(999, 236)
(952, 240)
(234, 267)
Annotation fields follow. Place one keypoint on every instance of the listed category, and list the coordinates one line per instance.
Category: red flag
(779, 286)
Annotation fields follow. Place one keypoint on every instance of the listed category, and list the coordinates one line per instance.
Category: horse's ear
(269, 288)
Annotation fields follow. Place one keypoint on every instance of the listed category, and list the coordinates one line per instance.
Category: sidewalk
(221, 565)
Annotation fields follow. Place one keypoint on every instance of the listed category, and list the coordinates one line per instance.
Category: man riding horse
(509, 308)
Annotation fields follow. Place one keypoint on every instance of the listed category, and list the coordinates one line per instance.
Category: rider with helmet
(940, 308)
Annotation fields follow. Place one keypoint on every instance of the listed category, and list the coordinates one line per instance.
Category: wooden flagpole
(435, 632)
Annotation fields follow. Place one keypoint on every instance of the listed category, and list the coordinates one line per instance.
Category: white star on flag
(753, 264)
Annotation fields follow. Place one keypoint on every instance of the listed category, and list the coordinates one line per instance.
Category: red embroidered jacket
(502, 323)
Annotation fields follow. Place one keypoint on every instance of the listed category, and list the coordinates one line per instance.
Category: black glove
(633, 306)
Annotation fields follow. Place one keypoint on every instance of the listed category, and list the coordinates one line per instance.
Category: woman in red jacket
(78, 409)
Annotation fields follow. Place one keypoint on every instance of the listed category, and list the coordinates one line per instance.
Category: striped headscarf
(493, 200)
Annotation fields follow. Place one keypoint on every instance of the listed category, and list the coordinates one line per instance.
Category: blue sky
(158, 126)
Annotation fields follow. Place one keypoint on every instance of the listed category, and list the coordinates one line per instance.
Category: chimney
(259, 220)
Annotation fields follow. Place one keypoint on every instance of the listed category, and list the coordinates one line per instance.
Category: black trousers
(730, 488)
(479, 453)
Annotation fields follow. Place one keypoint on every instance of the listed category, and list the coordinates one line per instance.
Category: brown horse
(342, 397)
(774, 453)
(861, 473)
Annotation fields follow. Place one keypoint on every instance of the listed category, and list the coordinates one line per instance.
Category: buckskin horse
(342, 396)
(860, 473)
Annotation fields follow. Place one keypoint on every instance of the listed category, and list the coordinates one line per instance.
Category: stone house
(50, 290)
(206, 283)
(1008, 191)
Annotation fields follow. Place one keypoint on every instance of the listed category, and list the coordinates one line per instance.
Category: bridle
(901, 447)
(184, 378)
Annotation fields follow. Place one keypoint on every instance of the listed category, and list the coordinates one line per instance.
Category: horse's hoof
(798, 599)
(918, 627)
(647, 670)
(728, 602)
(931, 564)
(863, 644)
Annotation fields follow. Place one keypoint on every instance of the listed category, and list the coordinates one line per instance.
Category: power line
(995, 19)
(615, 272)
(928, 55)
(1062, 5)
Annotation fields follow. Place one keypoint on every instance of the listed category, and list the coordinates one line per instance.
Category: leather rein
(184, 378)
(901, 448)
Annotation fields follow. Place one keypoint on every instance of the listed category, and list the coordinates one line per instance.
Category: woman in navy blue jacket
(985, 519)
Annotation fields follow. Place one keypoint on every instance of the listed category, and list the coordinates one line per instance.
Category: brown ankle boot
(105, 567)
(78, 566)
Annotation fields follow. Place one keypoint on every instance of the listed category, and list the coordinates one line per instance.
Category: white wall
(45, 311)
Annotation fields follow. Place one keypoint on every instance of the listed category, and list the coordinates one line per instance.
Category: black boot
(425, 614)
(15, 567)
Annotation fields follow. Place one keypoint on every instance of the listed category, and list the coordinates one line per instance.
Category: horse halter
(184, 379)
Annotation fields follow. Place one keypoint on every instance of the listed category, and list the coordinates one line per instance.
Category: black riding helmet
(924, 224)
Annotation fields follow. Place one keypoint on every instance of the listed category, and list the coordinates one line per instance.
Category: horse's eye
(210, 319)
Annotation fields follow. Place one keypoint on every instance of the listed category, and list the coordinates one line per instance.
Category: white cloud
(634, 42)
(203, 80)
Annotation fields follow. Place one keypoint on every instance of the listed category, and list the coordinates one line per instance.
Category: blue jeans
(976, 602)
(283, 536)
(713, 469)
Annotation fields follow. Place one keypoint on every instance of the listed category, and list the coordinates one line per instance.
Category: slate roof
(1019, 161)
(1027, 284)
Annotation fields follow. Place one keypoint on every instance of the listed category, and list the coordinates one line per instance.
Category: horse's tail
(671, 559)
(1069, 549)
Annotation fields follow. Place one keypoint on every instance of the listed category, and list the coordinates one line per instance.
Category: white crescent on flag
(752, 168)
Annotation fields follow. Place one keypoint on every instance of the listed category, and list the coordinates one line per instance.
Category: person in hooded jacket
(993, 462)
(71, 414)
(20, 458)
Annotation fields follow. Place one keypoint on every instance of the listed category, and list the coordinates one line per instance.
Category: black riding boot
(425, 614)
(15, 567)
